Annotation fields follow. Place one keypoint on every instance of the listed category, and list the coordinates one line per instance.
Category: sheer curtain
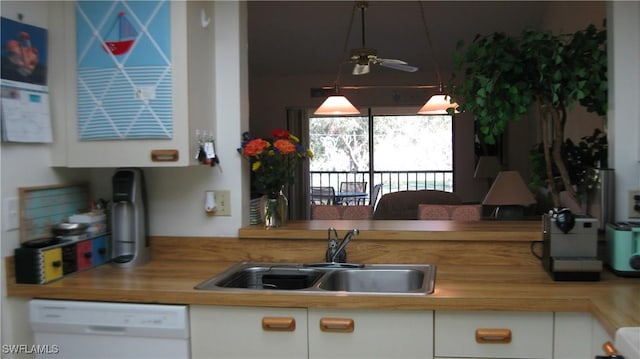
(298, 193)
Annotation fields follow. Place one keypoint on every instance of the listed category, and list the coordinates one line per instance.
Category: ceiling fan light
(438, 105)
(336, 105)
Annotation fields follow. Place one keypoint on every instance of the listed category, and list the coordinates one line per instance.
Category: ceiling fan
(363, 57)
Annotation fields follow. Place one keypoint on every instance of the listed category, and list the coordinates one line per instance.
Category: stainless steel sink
(325, 277)
(388, 279)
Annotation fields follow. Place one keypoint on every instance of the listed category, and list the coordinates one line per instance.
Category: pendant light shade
(336, 105)
(438, 105)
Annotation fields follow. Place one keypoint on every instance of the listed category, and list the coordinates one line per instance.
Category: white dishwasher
(76, 329)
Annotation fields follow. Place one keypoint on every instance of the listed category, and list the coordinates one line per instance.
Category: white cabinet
(192, 68)
(250, 332)
(472, 334)
(370, 334)
(578, 335)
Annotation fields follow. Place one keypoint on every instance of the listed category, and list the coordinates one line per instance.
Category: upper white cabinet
(128, 113)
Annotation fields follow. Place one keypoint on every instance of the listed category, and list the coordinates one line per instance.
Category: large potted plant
(505, 75)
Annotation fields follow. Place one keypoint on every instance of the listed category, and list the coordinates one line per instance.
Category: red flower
(280, 133)
(255, 147)
(284, 146)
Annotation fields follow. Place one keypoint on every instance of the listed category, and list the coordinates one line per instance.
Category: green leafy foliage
(504, 75)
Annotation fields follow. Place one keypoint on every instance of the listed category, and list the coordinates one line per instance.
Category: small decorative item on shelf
(273, 162)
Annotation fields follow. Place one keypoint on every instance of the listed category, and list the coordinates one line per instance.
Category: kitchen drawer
(493, 334)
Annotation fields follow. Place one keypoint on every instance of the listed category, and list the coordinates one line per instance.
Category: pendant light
(440, 103)
(336, 105)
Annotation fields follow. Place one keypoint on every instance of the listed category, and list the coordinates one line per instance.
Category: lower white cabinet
(471, 334)
(249, 332)
(370, 334)
(578, 335)
(258, 332)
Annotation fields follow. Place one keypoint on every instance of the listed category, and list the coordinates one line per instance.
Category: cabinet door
(493, 334)
(370, 334)
(572, 333)
(246, 332)
(51, 264)
(84, 255)
(100, 250)
(123, 96)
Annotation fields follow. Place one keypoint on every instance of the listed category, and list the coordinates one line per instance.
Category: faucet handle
(333, 231)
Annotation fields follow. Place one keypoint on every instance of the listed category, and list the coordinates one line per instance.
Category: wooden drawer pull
(609, 349)
(493, 336)
(337, 325)
(164, 155)
(279, 324)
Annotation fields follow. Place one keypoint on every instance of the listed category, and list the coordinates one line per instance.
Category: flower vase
(275, 209)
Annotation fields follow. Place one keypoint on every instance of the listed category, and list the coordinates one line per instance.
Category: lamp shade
(336, 105)
(488, 167)
(438, 105)
(509, 189)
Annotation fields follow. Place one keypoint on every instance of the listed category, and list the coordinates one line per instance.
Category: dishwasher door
(75, 329)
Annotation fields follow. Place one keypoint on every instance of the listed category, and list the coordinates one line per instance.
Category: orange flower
(255, 147)
(284, 146)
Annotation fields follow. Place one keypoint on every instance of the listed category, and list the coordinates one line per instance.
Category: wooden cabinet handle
(609, 349)
(493, 336)
(337, 325)
(164, 155)
(279, 324)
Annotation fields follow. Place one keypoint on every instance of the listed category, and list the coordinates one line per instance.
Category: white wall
(624, 92)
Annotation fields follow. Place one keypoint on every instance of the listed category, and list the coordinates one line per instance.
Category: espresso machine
(130, 243)
(570, 250)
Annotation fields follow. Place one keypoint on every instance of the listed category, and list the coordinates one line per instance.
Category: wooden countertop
(488, 230)
(613, 300)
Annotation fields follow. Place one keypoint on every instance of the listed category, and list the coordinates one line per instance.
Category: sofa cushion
(404, 204)
(458, 212)
(341, 212)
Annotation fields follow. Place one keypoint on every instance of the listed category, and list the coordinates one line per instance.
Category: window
(403, 152)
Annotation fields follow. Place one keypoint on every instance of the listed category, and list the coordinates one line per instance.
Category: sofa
(404, 204)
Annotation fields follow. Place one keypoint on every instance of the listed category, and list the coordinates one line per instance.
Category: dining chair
(323, 195)
(375, 192)
(353, 187)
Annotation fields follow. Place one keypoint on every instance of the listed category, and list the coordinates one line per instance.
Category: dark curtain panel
(298, 194)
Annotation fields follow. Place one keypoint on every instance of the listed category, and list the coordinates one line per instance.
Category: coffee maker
(129, 219)
(570, 250)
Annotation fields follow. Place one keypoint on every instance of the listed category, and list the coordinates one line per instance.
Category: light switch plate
(11, 214)
(223, 202)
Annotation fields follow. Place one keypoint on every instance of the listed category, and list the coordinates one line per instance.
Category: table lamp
(488, 167)
(510, 195)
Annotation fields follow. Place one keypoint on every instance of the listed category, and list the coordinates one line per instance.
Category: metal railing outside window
(392, 181)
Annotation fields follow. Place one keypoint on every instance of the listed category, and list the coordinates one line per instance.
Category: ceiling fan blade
(396, 65)
(360, 69)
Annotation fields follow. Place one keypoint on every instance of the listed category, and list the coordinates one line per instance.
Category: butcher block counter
(474, 271)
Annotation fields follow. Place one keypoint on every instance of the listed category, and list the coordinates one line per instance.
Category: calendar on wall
(124, 75)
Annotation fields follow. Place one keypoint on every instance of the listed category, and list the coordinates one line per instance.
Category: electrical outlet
(11, 214)
(634, 204)
(223, 202)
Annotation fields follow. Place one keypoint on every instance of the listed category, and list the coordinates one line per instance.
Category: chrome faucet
(336, 252)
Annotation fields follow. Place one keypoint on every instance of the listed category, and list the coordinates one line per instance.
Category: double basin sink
(325, 277)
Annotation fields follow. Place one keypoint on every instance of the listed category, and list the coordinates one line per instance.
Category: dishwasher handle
(105, 329)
